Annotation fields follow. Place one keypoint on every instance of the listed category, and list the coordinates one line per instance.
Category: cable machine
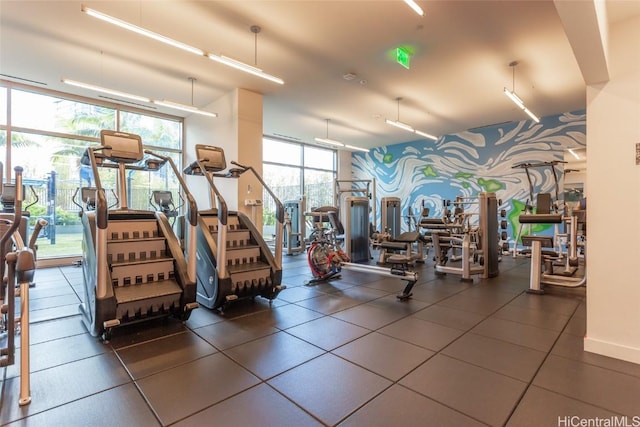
(354, 214)
(294, 225)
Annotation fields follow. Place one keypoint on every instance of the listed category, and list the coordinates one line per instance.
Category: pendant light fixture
(190, 108)
(328, 140)
(114, 92)
(515, 98)
(255, 29)
(397, 123)
(171, 42)
(413, 5)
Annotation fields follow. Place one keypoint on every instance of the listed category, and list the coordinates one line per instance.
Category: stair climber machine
(133, 265)
(233, 260)
(18, 261)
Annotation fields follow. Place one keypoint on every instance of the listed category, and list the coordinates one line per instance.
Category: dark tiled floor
(340, 353)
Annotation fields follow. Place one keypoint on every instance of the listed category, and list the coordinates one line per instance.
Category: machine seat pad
(430, 222)
(398, 259)
(540, 219)
(545, 241)
(394, 246)
(408, 237)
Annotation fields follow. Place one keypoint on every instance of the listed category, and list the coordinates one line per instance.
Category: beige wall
(249, 126)
(613, 192)
(238, 130)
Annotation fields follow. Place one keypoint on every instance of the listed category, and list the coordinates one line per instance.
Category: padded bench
(540, 219)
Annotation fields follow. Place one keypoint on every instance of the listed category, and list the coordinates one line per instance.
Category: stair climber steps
(145, 288)
(249, 271)
(142, 270)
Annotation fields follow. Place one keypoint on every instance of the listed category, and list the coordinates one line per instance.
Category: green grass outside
(67, 244)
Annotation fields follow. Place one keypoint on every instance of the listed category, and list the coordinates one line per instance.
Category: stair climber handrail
(102, 221)
(279, 212)
(191, 215)
(223, 219)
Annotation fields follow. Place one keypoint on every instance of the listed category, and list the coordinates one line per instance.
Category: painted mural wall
(464, 164)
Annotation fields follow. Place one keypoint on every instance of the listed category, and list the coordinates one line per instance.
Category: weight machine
(548, 251)
(478, 244)
(294, 225)
(354, 214)
(546, 210)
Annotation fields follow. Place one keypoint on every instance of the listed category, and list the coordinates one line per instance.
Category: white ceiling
(462, 51)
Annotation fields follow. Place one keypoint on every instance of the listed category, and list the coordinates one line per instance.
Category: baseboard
(58, 262)
(609, 349)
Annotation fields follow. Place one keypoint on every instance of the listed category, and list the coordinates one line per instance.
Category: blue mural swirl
(467, 163)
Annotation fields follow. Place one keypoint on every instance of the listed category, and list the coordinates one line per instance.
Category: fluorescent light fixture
(244, 67)
(166, 40)
(351, 147)
(426, 135)
(515, 98)
(164, 103)
(574, 154)
(413, 5)
(408, 128)
(127, 26)
(105, 90)
(400, 125)
(530, 114)
(330, 141)
(184, 107)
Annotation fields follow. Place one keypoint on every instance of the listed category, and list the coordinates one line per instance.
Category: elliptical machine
(19, 263)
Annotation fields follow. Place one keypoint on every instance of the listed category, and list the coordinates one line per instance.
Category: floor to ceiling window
(295, 171)
(47, 132)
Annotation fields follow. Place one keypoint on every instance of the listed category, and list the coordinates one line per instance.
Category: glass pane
(154, 131)
(281, 152)
(48, 113)
(142, 184)
(284, 181)
(318, 187)
(51, 179)
(3, 105)
(3, 148)
(318, 158)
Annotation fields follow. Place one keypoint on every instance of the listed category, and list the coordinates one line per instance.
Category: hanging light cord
(255, 29)
(513, 65)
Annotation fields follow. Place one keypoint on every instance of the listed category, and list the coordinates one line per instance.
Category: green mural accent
(464, 175)
(517, 210)
(490, 185)
(465, 184)
(388, 158)
(429, 171)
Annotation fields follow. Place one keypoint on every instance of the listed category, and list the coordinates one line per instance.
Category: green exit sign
(403, 57)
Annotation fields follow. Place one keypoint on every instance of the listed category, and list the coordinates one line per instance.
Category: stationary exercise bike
(327, 259)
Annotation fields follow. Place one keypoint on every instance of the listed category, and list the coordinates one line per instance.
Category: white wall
(613, 192)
